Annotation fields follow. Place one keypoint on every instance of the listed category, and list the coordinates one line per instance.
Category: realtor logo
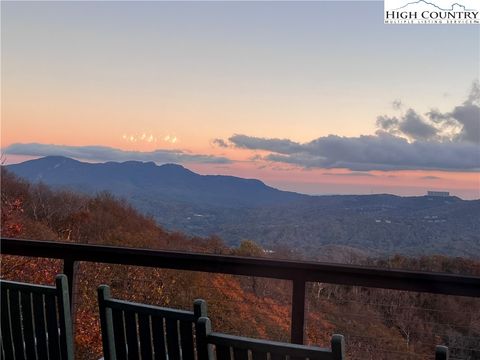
(432, 12)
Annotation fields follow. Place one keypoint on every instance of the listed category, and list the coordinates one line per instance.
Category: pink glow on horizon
(341, 181)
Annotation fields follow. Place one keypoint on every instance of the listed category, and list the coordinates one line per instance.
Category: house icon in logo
(415, 4)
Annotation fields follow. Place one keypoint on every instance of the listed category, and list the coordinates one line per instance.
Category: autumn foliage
(403, 324)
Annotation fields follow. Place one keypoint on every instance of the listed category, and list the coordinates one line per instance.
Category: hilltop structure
(438, 193)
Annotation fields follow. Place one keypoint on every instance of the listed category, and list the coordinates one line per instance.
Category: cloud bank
(104, 153)
(364, 153)
(434, 141)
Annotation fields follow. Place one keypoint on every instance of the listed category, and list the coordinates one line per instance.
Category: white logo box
(432, 12)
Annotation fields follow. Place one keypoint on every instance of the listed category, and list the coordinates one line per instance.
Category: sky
(315, 97)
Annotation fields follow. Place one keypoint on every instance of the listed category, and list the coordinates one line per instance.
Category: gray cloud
(388, 124)
(413, 126)
(466, 117)
(397, 104)
(431, 178)
(104, 153)
(355, 174)
(460, 124)
(282, 146)
(438, 117)
(220, 143)
(364, 153)
(410, 125)
(474, 96)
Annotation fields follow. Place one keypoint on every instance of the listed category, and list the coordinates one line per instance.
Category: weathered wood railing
(299, 272)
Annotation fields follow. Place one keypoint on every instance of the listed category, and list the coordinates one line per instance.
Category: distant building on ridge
(438, 193)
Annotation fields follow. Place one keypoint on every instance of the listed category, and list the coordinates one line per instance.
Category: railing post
(298, 311)
(68, 270)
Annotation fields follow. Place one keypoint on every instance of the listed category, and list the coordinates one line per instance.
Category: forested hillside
(378, 324)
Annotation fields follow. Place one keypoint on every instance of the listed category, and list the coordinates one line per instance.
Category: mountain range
(236, 209)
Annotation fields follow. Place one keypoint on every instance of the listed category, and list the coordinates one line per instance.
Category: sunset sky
(315, 97)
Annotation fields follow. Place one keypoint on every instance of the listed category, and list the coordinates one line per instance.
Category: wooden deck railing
(299, 272)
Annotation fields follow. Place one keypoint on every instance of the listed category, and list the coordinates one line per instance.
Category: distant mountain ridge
(236, 209)
(170, 181)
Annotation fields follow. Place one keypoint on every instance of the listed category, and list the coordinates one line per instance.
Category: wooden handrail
(300, 272)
